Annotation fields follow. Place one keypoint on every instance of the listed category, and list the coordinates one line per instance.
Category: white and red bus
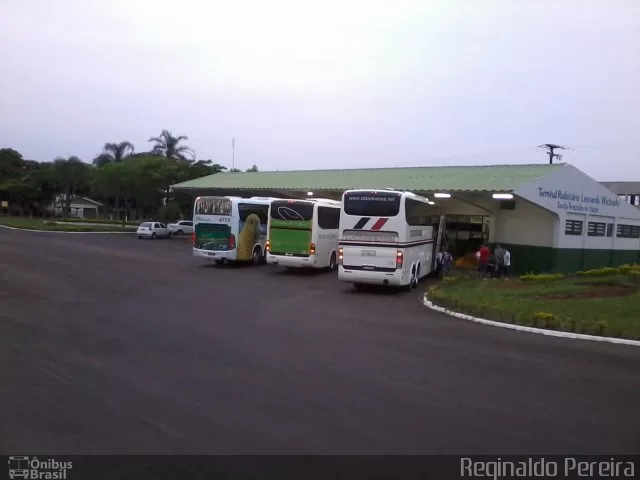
(386, 238)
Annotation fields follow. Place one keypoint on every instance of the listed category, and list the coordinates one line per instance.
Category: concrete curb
(56, 231)
(521, 328)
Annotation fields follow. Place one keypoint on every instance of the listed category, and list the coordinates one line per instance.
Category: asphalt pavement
(109, 344)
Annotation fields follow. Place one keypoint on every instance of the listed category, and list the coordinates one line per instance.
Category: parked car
(153, 230)
(183, 227)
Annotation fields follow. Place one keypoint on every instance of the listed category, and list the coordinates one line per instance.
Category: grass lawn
(39, 224)
(608, 306)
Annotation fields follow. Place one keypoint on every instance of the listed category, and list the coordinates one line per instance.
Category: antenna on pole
(233, 153)
(551, 151)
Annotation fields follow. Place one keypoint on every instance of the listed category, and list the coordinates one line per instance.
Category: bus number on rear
(368, 253)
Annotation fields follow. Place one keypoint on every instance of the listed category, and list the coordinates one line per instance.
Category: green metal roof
(466, 178)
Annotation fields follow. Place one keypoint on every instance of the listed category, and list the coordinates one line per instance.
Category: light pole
(233, 153)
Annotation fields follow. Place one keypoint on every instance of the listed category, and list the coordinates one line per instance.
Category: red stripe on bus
(379, 224)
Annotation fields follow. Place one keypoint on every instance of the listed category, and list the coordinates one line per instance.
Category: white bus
(229, 229)
(386, 238)
(303, 233)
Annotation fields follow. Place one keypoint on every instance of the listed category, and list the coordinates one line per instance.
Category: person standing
(447, 260)
(498, 253)
(484, 254)
(439, 257)
(506, 263)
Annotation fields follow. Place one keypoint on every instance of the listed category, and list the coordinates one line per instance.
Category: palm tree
(169, 146)
(113, 153)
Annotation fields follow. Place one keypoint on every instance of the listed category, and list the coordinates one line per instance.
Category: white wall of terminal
(569, 194)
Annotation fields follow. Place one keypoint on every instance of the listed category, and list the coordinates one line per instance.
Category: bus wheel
(417, 277)
(332, 262)
(256, 257)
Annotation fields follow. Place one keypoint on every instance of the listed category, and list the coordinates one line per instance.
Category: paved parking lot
(109, 344)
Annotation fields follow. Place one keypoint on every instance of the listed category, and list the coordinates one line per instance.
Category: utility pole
(551, 151)
(233, 153)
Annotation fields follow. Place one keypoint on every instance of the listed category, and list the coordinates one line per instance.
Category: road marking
(521, 328)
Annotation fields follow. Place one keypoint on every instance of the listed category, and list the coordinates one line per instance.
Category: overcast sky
(327, 84)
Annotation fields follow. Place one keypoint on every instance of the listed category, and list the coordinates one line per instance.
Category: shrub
(542, 277)
(600, 272)
(544, 319)
(450, 280)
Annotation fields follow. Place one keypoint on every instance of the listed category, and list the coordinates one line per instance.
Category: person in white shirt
(506, 262)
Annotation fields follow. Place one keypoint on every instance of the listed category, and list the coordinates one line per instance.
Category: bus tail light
(232, 241)
(340, 255)
(312, 249)
(193, 237)
(267, 246)
(399, 259)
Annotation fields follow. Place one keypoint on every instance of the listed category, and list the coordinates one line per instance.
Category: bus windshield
(213, 206)
(372, 204)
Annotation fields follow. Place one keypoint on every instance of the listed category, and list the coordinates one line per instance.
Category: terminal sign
(579, 202)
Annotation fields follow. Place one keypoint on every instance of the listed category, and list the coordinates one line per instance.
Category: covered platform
(551, 217)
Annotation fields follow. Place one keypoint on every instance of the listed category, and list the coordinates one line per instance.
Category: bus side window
(417, 213)
(328, 218)
(246, 209)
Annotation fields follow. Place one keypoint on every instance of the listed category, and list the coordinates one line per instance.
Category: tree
(202, 168)
(169, 146)
(114, 153)
(108, 182)
(71, 176)
(253, 169)
(11, 163)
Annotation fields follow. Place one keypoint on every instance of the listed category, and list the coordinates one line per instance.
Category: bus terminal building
(552, 218)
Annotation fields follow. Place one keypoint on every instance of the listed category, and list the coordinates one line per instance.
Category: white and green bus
(230, 229)
(303, 233)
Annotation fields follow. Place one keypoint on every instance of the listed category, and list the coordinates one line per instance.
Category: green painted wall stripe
(528, 258)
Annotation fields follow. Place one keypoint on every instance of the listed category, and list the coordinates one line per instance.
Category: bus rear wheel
(256, 257)
(332, 262)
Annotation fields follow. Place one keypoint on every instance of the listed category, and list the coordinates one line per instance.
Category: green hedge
(97, 220)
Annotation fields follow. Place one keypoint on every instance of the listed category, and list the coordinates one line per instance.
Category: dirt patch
(601, 291)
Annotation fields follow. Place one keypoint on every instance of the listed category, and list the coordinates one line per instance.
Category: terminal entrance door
(466, 233)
